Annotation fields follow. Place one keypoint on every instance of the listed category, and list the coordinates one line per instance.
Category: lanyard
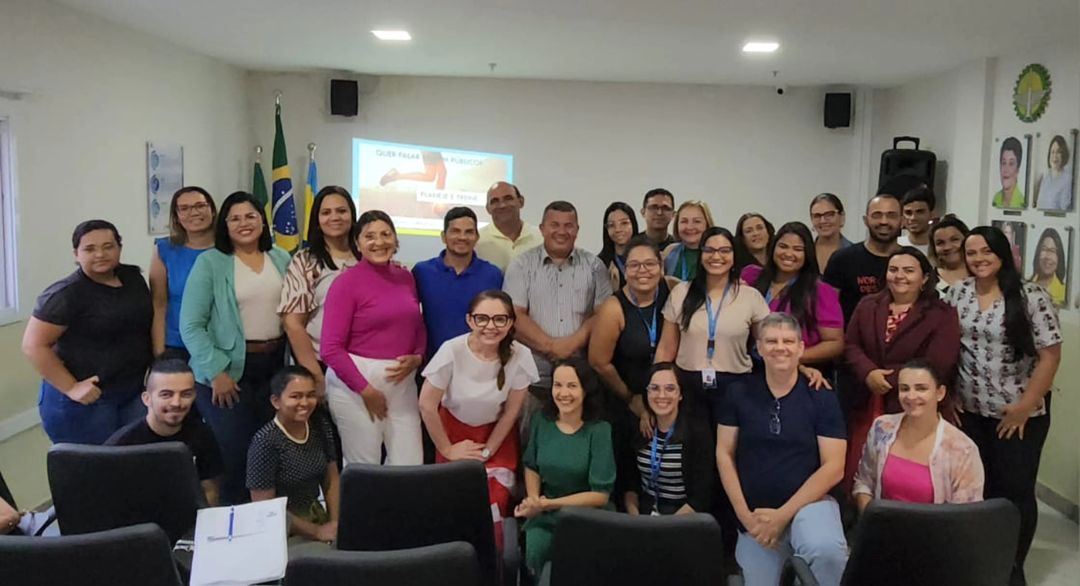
(768, 292)
(714, 318)
(655, 459)
(621, 265)
(649, 327)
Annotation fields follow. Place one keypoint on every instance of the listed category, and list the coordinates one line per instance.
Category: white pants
(361, 438)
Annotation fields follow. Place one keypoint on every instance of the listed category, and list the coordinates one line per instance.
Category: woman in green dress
(568, 461)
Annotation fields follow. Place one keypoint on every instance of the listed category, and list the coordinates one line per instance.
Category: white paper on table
(258, 549)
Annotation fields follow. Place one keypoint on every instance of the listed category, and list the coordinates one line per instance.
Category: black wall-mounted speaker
(838, 110)
(344, 97)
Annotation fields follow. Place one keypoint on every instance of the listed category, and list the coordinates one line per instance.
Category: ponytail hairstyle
(506, 349)
(698, 288)
(1017, 323)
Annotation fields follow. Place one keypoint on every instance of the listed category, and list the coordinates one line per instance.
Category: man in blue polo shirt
(780, 449)
(447, 283)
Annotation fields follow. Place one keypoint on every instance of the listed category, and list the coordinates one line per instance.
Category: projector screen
(417, 184)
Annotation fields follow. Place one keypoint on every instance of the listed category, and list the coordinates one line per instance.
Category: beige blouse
(739, 311)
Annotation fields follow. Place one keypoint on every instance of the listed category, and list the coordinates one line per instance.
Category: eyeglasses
(655, 209)
(195, 207)
(482, 319)
(613, 225)
(774, 418)
(648, 265)
(655, 389)
(253, 217)
(831, 215)
(725, 250)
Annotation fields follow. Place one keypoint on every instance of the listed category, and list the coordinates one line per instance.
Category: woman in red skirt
(474, 389)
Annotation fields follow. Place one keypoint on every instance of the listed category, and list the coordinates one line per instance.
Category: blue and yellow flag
(286, 234)
(310, 189)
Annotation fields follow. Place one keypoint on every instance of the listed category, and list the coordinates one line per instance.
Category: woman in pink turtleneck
(373, 339)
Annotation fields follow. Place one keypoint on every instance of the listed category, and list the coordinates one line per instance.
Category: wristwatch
(485, 453)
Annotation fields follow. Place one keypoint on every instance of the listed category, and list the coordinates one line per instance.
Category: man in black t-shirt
(859, 270)
(169, 394)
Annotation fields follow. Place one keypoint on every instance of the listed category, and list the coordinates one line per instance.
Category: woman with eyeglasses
(707, 323)
(89, 339)
(328, 253)
(192, 213)
(1011, 341)
(620, 226)
(474, 388)
(230, 325)
(827, 218)
(947, 251)
(682, 259)
(373, 340)
(622, 346)
(676, 460)
(916, 456)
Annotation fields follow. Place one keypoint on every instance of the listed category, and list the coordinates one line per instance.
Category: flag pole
(311, 151)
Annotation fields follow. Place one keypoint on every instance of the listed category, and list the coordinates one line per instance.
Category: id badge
(708, 378)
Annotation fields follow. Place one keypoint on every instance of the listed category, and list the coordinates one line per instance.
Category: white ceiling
(877, 42)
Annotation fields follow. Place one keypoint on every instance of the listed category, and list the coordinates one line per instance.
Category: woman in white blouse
(474, 389)
(1010, 350)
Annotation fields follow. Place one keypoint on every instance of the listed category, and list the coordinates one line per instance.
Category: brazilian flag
(286, 233)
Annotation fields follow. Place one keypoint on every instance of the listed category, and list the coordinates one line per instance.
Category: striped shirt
(558, 297)
(305, 289)
(670, 483)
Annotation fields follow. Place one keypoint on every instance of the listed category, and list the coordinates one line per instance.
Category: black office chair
(400, 507)
(601, 548)
(445, 564)
(900, 544)
(103, 487)
(139, 555)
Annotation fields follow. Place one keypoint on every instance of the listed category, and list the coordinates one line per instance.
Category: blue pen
(232, 513)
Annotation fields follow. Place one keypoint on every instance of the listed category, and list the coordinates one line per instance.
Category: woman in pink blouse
(790, 282)
(373, 339)
(916, 456)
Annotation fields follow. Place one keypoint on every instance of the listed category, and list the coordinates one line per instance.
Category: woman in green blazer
(229, 323)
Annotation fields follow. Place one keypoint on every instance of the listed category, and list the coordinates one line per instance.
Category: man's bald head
(504, 202)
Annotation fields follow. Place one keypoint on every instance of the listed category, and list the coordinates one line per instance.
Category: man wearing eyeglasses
(447, 283)
(658, 209)
(859, 270)
(780, 449)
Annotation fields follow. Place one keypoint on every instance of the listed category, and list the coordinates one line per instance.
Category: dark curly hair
(592, 402)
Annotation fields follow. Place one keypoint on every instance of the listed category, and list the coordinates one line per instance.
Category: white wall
(98, 93)
(950, 112)
(739, 148)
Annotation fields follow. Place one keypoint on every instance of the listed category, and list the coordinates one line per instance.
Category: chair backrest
(103, 487)
(5, 493)
(400, 507)
(955, 545)
(598, 548)
(139, 555)
(446, 564)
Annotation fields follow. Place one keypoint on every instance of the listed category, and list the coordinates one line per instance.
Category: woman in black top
(622, 346)
(89, 339)
(675, 464)
(293, 456)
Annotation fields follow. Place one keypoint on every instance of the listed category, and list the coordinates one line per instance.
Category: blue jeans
(816, 535)
(234, 427)
(67, 421)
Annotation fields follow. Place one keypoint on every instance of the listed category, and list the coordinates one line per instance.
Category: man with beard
(858, 271)
(169, 394)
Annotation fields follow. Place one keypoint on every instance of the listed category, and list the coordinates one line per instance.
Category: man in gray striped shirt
(555, 288)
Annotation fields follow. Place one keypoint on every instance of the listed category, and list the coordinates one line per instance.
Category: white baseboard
(18, 423)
